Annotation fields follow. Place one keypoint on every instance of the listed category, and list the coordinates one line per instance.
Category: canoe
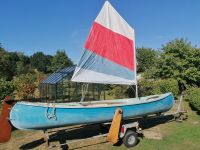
(41, 116)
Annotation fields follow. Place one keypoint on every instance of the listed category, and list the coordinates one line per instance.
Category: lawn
(176, 136)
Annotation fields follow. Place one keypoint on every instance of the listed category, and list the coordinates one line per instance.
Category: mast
(136, 83)
(136, 91)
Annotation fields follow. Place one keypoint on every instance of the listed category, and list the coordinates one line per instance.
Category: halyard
(174, 136)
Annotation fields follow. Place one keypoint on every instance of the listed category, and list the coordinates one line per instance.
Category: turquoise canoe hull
(40, 116)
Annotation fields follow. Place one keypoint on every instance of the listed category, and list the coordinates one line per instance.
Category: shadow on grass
(33, 144)
(154, 121)
(75, 133)
(151, 121)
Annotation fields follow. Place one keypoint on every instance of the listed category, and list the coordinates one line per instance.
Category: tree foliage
(7, 65)
(60, 60)
(23, 64)
(179, 60)
(40, 61)
(13, 63)
(146, 58)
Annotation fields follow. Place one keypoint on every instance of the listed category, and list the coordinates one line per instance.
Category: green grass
(180, 136)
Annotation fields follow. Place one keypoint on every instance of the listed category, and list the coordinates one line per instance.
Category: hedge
(192, 95)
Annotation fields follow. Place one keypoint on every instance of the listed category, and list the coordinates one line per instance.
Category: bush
(151, 87)
(25, 85)
(117, 91)
(6, 88)
(192, 95)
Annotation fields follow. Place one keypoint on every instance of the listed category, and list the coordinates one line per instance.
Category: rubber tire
(130, 134)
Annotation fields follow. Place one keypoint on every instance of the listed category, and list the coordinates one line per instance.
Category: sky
(29, 26)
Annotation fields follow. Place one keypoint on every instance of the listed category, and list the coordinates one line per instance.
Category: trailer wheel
(130, 139)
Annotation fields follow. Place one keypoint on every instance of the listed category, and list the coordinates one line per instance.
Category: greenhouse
(57, 87)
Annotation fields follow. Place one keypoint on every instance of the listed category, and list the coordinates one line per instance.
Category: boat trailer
(118, 132)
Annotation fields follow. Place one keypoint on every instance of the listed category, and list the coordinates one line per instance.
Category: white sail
(109, 55)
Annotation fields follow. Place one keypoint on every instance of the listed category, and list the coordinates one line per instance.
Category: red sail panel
(111, 45)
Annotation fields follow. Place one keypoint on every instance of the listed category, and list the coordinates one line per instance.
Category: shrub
(25, 85)
(192, 95)
(151, 87)
(6, 88)
(117, 91)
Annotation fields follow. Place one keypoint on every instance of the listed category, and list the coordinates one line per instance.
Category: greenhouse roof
(59, 75)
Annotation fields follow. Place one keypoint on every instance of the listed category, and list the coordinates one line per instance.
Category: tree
(146, 58)
(41, 61)
(7, 65)
(180, 60)
(23, 65)
(60, 60)
(13, 63)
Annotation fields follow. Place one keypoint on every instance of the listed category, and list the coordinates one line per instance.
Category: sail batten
(109, 54)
